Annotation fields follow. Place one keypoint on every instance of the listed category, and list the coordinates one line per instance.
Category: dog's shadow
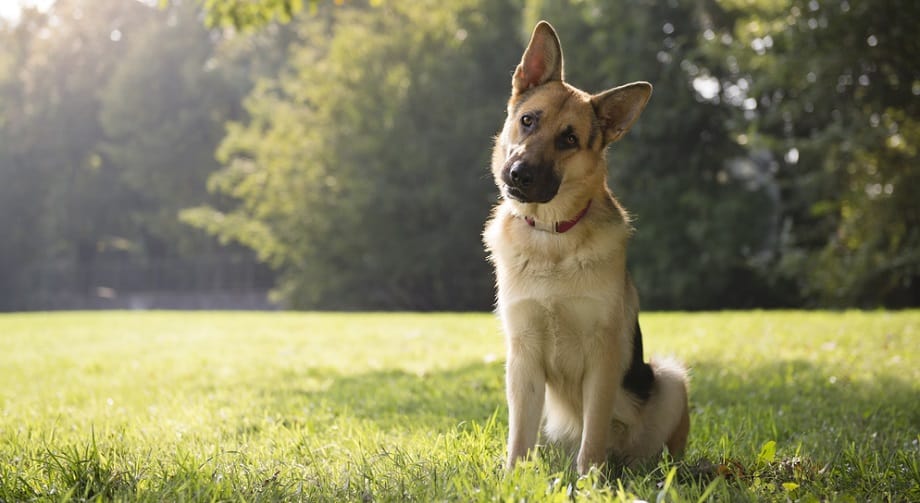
(809, 411)
(791, 402)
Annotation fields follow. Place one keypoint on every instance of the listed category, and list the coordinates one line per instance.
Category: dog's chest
(563, 301)
(573, 325)
(567, 303)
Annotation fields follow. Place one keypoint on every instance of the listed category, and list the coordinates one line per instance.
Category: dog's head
(553, 143)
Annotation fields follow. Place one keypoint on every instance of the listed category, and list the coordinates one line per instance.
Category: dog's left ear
(618, 108)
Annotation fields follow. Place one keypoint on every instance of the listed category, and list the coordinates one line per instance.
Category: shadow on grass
(395, 399)
(796, 401)
(833, 434)
(787, 401)
(791, 402)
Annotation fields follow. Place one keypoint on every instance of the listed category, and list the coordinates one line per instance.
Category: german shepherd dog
(567, 305)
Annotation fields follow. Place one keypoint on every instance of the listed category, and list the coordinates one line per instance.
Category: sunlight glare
(10, 9)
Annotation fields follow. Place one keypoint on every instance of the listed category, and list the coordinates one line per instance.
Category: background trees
(109, 115)
(836, 94)
(58, 189)
(362, 171)
(775, 166)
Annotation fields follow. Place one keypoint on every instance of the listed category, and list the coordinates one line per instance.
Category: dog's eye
(527, 120)
(567, 140)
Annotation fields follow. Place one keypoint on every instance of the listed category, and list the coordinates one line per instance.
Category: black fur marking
(595, 133)
(562, 140)
(639, 379)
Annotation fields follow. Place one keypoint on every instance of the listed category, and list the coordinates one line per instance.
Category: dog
(557, 240)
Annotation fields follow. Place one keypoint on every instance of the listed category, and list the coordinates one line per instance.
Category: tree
(163, 111)
(20, 186)
(362, 173)
(110, 112)
(62, 61)
(834, 86)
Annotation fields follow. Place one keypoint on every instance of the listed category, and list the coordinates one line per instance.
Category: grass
(403, 407)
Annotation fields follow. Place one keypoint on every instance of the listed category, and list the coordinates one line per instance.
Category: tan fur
(566, 302)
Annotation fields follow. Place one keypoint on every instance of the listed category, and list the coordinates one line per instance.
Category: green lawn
(406, 407)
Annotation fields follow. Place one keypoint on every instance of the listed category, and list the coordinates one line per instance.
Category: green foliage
(61, 189)
(248, 14)
(109, 115)
(834, 91)
(361, 172)
(776, 164)
(395, 407)
(161, 108)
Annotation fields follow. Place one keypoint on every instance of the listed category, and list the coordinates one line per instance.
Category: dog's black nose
(521, 174)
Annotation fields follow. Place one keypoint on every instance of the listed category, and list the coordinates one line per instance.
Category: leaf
(767, 452)
(790, 486)
(666, 488)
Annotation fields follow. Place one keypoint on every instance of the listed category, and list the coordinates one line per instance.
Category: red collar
(559, 227)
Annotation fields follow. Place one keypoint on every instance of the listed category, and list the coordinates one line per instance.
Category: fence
(207, 282)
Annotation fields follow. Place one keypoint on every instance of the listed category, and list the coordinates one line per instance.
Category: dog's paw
(588, 459)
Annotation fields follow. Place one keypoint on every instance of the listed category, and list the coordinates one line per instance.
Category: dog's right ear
(542, 60)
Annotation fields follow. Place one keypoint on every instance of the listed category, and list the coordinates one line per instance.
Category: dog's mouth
(516, 194)
(521, 196)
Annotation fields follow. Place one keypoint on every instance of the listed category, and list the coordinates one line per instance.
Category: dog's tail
(673, 382)
(665, 418)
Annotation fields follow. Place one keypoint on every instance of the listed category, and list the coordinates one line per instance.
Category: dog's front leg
(525, 387)
(599, 389)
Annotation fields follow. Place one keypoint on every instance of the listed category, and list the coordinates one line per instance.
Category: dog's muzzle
(530, 183)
